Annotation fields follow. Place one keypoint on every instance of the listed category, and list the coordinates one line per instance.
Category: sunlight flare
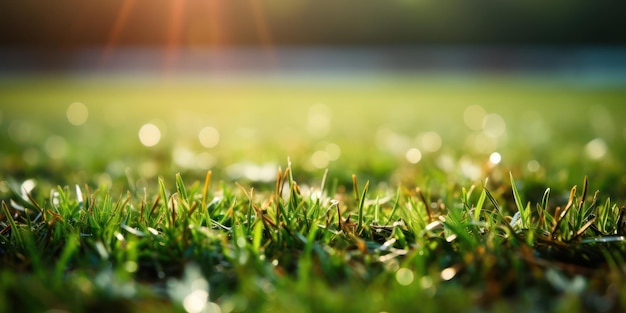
(174, 33)
(117, 29)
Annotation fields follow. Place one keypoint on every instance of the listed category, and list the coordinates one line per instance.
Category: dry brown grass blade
(563, 213)
(248, 195)
(621, 221)
(32, 200)
(557, 212)
(92, 200)
(423, 199)
(155, 204)
(5, 230)
(142, 207)
(193, 207)
(263, 217)
(55, 217)
(119, 205)
(582, 230)
(328, 219)
(584, 194)
(284, 179)
(279, 183)
(205, 191)
(339, 217)
(173, 204)
(590, 222)
(542, 216)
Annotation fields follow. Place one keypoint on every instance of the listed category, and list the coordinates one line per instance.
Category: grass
(306, 248)
(99, 230)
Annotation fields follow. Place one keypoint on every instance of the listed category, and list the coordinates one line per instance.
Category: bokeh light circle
(77, 113)
(149, 135)
(209, 137)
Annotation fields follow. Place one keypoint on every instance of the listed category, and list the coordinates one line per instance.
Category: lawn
(346, 192)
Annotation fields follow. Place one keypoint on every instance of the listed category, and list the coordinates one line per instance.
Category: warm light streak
(117, 29)
(179, 31)
(262, 28)
(216, 31)
(174, 34)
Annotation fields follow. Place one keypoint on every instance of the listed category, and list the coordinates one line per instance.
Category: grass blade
(425, 202)
(71, 246)
(163, 191)
(479, 204)
(356, 188)
(561, 216)
(545, 199)
(621, 222)
(524, 212)
(492, 199)
(584, 194)
(205, 190)
(362, 204)
(182, 190)
(14, 230)
(396, 203)
(257, 237)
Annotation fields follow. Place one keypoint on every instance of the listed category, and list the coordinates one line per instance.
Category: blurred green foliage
(551, 132)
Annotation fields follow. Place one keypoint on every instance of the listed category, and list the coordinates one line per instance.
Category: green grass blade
(205, 191)
(14, 230)
(396, 203)
(71, 247)
(545, 199)
(362, 204)
(163, 191)
(492, 199)
(306, 262)
(525, 217)
(479, 204)
(257, 237)
(34, 253)
(182, 190)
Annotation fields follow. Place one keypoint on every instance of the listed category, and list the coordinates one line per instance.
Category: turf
(111, 225)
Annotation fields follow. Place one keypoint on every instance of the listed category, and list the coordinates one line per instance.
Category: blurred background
(419, 92)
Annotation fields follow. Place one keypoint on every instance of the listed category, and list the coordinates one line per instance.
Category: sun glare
(117, 29)
(216, 28)
(184, 30)
(174, 33)
(262, 28)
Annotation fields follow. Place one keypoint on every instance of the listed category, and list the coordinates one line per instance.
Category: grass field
(352, 193)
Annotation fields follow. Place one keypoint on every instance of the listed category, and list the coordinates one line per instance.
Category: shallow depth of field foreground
(311, 156)
(377, 196)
